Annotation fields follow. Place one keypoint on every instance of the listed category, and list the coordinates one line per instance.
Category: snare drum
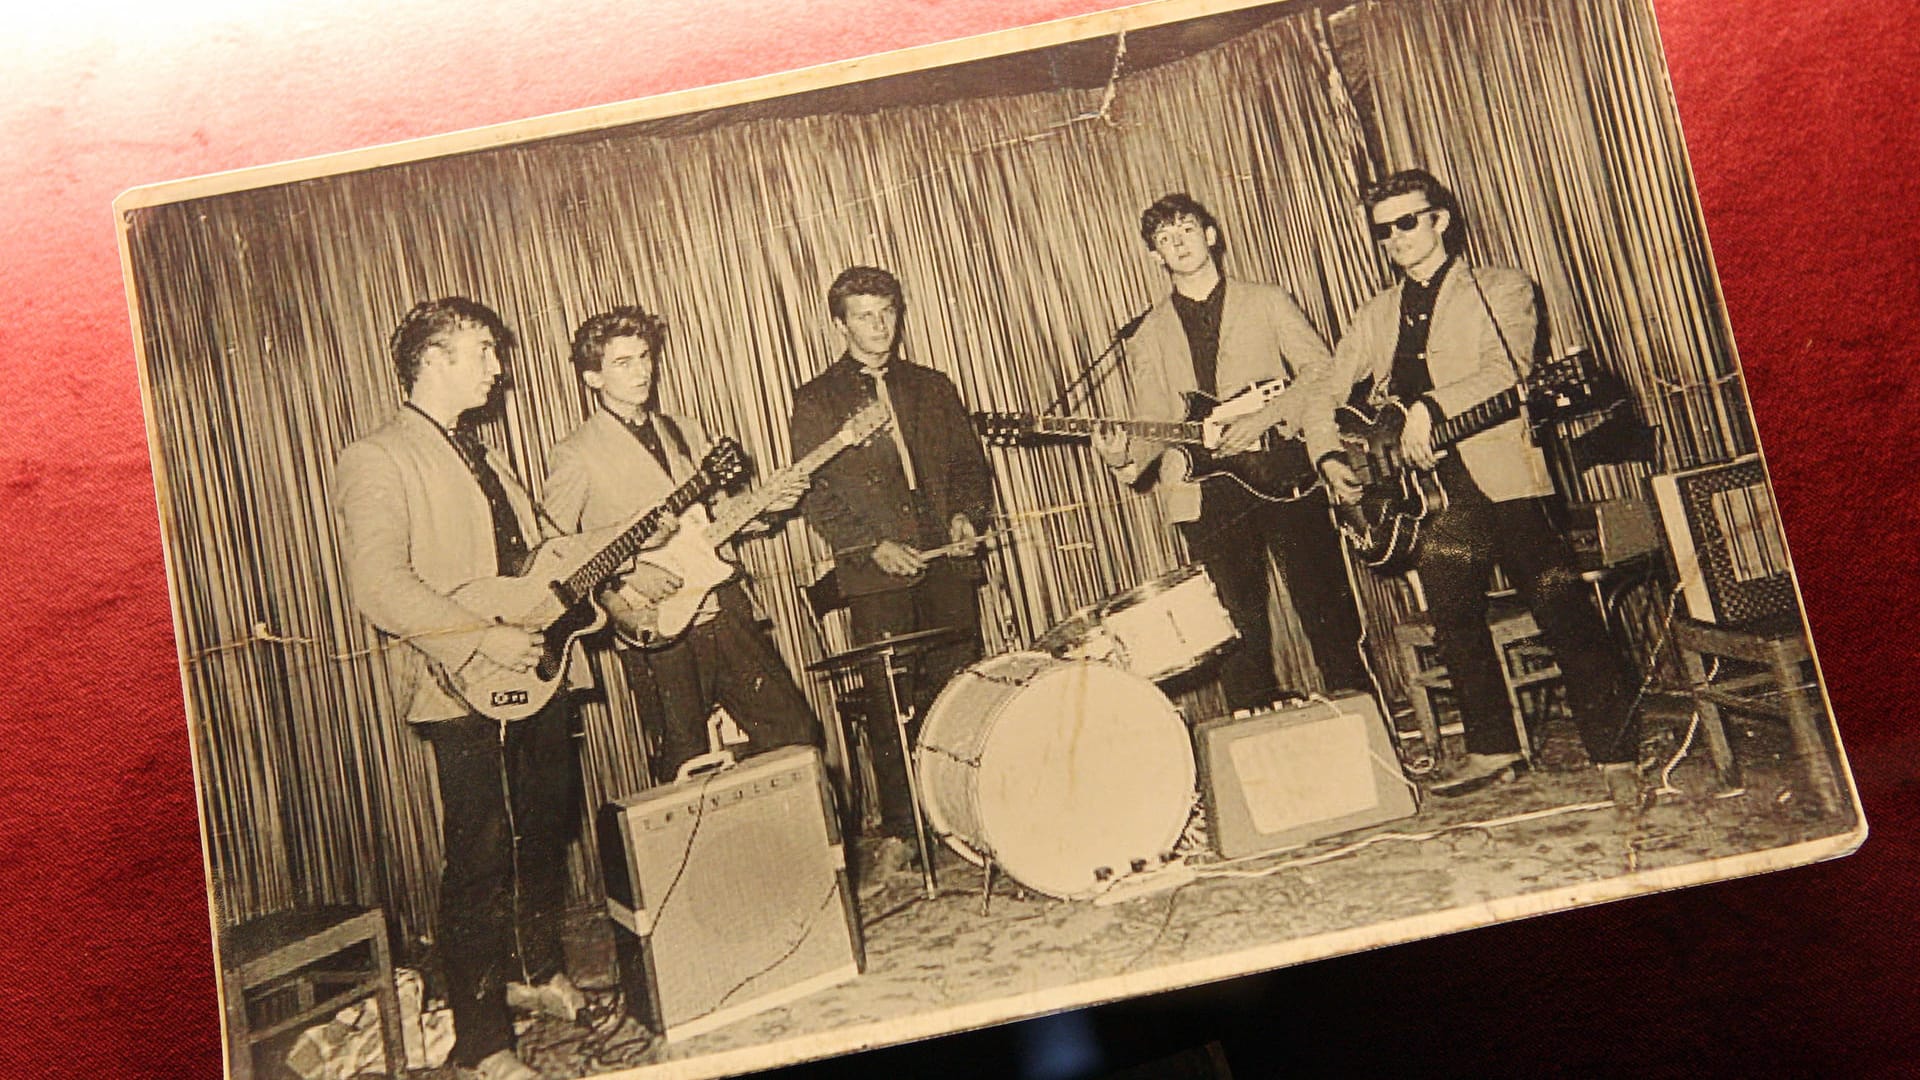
(1159, 629)
(1064, 773)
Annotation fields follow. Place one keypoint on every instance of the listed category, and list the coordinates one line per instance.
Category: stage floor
(930, 955)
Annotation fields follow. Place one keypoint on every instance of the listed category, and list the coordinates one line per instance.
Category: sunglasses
(1404, 223)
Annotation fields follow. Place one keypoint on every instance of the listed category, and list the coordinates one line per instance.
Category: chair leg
(1804, 729)
(388, 999)
(1419, 695)
(239, 1028)
(1711, 724)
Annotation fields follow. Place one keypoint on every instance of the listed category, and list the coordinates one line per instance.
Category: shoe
(1631, 796)
(891, 857)
(502, 1065)
(1481, 778)
(557, 997)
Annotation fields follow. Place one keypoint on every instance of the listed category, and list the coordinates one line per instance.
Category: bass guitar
(692, 554)
(1385, 526)
(553, 595)
(1276, 469)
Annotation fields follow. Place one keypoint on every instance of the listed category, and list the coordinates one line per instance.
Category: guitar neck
(632, 538)
(1174, 431)
(1492, 412)
(749, 506)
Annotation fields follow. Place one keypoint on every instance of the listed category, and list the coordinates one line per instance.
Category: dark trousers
(946, 597)
(508, 806)
(1231, 539)
(1456, 559)
(726, 660)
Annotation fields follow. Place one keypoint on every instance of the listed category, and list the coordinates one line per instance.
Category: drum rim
(1158, 586)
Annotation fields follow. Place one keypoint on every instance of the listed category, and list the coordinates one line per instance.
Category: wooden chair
(1524, 666)
(282, 952)
(1778, 691)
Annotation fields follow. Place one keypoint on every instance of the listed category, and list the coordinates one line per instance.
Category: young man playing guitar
(1219, 335)
(1446, 339)
(424, 508)
(883, 507)
(628, 455)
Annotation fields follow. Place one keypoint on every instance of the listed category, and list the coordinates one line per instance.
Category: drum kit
(1064, 765)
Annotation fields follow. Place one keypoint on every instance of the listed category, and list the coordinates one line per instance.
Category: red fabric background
(1802, 126)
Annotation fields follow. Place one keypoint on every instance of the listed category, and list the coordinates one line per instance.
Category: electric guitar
(1385, 527)
(553, 595)
(1276, 469)
(692, 553)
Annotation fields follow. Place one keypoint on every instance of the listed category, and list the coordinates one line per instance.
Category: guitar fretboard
(633, 537)
(1492, 412)
(1086, 426)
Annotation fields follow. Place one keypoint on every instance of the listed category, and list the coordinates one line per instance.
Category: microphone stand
(1120, 337)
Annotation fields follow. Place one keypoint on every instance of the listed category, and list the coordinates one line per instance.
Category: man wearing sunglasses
(1218, 335)
(1449, 336)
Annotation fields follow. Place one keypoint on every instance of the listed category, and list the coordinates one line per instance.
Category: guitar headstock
(1003, 428)
(871, 420)
(726, 463)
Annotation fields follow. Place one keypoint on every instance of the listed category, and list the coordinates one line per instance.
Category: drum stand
(890, 655)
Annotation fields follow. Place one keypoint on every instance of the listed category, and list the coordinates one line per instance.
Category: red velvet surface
(1804, 142)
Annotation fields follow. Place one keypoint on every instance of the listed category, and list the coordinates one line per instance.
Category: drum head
(1085, 769)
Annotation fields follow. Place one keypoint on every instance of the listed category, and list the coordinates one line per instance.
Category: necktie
(650, 438)
(879, 377)
(509, 543)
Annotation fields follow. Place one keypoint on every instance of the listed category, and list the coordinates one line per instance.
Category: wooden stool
(274, 953)
(1514, 631)
(1777, 691)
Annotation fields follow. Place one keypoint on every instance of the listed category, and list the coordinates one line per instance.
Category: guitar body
(1386, 526)
(691, 556)
(1277, 470)
(529, 601)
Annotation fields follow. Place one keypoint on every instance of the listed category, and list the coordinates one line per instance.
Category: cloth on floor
(350, 1044)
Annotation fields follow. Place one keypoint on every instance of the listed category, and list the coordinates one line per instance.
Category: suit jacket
(1467, 355)
(600, 475)
(860, 497)
(414, 526)
(1263, 335)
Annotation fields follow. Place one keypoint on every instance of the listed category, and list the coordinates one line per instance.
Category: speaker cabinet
(1284, 778)
(728, 893)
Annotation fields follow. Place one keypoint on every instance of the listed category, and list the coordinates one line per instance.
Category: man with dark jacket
(922, 484)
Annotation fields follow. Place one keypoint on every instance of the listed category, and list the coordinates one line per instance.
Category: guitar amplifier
(1728, 552)
(1284, 778)
(728, 893)
(1611, 531)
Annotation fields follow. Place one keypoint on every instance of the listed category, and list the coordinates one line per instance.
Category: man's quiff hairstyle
(1408, 181)
(864, 281)
(431, 318)
(628, 320)
(1169, 209)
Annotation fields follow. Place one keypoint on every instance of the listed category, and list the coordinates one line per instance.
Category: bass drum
(1062, 772)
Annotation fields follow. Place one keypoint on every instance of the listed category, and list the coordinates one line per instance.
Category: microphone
(1128, 329)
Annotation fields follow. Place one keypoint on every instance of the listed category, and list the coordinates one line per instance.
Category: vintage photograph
(747, 576)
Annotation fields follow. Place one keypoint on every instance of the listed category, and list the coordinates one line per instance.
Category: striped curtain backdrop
(1011, 221)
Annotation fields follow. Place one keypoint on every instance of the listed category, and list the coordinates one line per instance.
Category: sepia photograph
(701, 584)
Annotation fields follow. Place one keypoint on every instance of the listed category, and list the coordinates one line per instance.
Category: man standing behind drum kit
(1219, 335)
(881, 505)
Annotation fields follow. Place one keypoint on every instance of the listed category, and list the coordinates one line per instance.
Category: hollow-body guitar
(1386, 525)
(553, 595)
